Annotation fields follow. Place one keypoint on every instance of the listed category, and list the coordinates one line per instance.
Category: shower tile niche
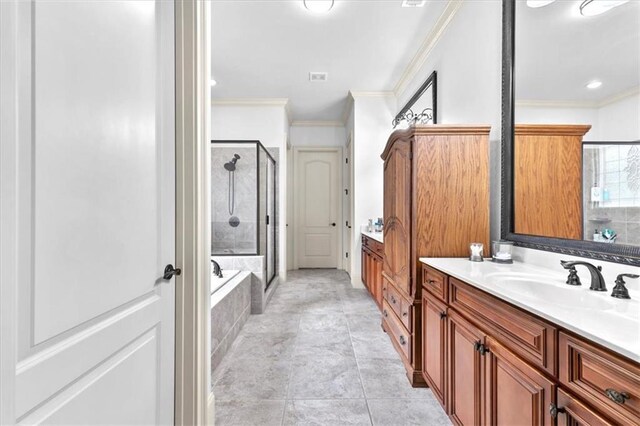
(243, 202)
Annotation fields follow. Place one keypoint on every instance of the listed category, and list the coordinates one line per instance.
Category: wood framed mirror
(571, 129)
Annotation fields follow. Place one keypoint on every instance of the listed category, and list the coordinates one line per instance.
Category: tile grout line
(291, 366)
(364, 393)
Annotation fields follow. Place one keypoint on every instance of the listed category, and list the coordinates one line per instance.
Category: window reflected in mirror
(612, 192)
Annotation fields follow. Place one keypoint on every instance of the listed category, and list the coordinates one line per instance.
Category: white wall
(372, 117)
(468, 59)
(269, 124)
(620, 121)
(317, 135)
(560, 115)
(617, 121)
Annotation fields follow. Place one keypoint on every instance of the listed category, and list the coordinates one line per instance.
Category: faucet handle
(573, 278)
(620, 291)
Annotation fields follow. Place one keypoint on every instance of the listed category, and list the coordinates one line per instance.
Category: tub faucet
(597, 280)
(217, 270)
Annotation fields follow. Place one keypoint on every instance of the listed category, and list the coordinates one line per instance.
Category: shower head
(231, 165)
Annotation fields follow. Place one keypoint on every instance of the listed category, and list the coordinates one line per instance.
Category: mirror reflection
(577, 120)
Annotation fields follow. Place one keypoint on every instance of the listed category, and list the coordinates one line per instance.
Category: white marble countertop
(613, 323)
(375, 235)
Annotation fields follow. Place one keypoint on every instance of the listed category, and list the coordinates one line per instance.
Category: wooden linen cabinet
(436, 202)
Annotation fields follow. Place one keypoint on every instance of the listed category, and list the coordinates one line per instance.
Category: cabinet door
(466, 371)
(363, 267)
(434, 333)
(397, 216)
(377, 280)
(572, 412)
(516, 393)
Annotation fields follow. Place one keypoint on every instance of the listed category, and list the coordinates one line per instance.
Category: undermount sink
(551, 289)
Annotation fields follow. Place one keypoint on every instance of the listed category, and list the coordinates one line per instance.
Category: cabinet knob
(617, 397)
(554, 410)
(393, 300)
(443, 315)
(431, 282)
(403, 341)
(385, 313)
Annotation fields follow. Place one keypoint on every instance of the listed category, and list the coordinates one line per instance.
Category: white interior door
(88, 182)
(318, 208)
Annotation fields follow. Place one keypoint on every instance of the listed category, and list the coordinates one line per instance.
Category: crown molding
(383, 94)
(427, 46)
(287, 110)
(311, 123)
(283, 102)
(240, 102)
(580, 104)
(620, 96)
(347, 108)
(555, 104)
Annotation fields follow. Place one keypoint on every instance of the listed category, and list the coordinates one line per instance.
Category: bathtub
(230, 309)
(217, 283)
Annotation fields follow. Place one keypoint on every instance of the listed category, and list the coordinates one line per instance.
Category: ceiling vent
(318, 76)
(413, 3)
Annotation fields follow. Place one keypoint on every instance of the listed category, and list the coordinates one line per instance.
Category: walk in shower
(243, 202)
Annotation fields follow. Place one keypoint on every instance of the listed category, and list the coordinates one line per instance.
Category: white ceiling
(266, 49)
(559, 51)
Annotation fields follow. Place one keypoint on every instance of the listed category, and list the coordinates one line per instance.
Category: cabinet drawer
(401, 307)
(435, 282)
(597, 375)
(573, 412)
(397, 332)
(525, 335)
(376, 247)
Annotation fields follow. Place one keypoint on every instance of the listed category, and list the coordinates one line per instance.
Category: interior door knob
(333, 224)
(170, 271)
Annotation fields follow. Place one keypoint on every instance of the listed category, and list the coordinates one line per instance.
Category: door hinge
(267, 219)
(346, 255)
(346, 192)
(346, 160)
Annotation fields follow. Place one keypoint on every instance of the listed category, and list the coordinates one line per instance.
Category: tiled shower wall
(226, 239)
(623, 211)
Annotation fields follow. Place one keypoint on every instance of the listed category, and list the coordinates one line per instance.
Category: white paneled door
(87, 212)
(318, 208)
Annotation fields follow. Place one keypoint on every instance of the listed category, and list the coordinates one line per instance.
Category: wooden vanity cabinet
(489, 362)
(434, 349)
(465, 371)
(573, 412)
(516, 393)
(371, 267)
(436, 201)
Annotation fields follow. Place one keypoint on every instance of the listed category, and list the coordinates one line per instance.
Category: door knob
(333, 224)
(170, 271)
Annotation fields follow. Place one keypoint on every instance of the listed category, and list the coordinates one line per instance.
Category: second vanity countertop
(374, 235)
(613, 323)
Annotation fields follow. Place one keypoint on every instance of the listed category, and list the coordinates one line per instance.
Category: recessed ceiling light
(318, 6)
(413, 3)
(594, 84)
(213, 82)
(598, 7)
(539, 3)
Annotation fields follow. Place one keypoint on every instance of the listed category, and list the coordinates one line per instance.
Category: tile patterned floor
(318, 356)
